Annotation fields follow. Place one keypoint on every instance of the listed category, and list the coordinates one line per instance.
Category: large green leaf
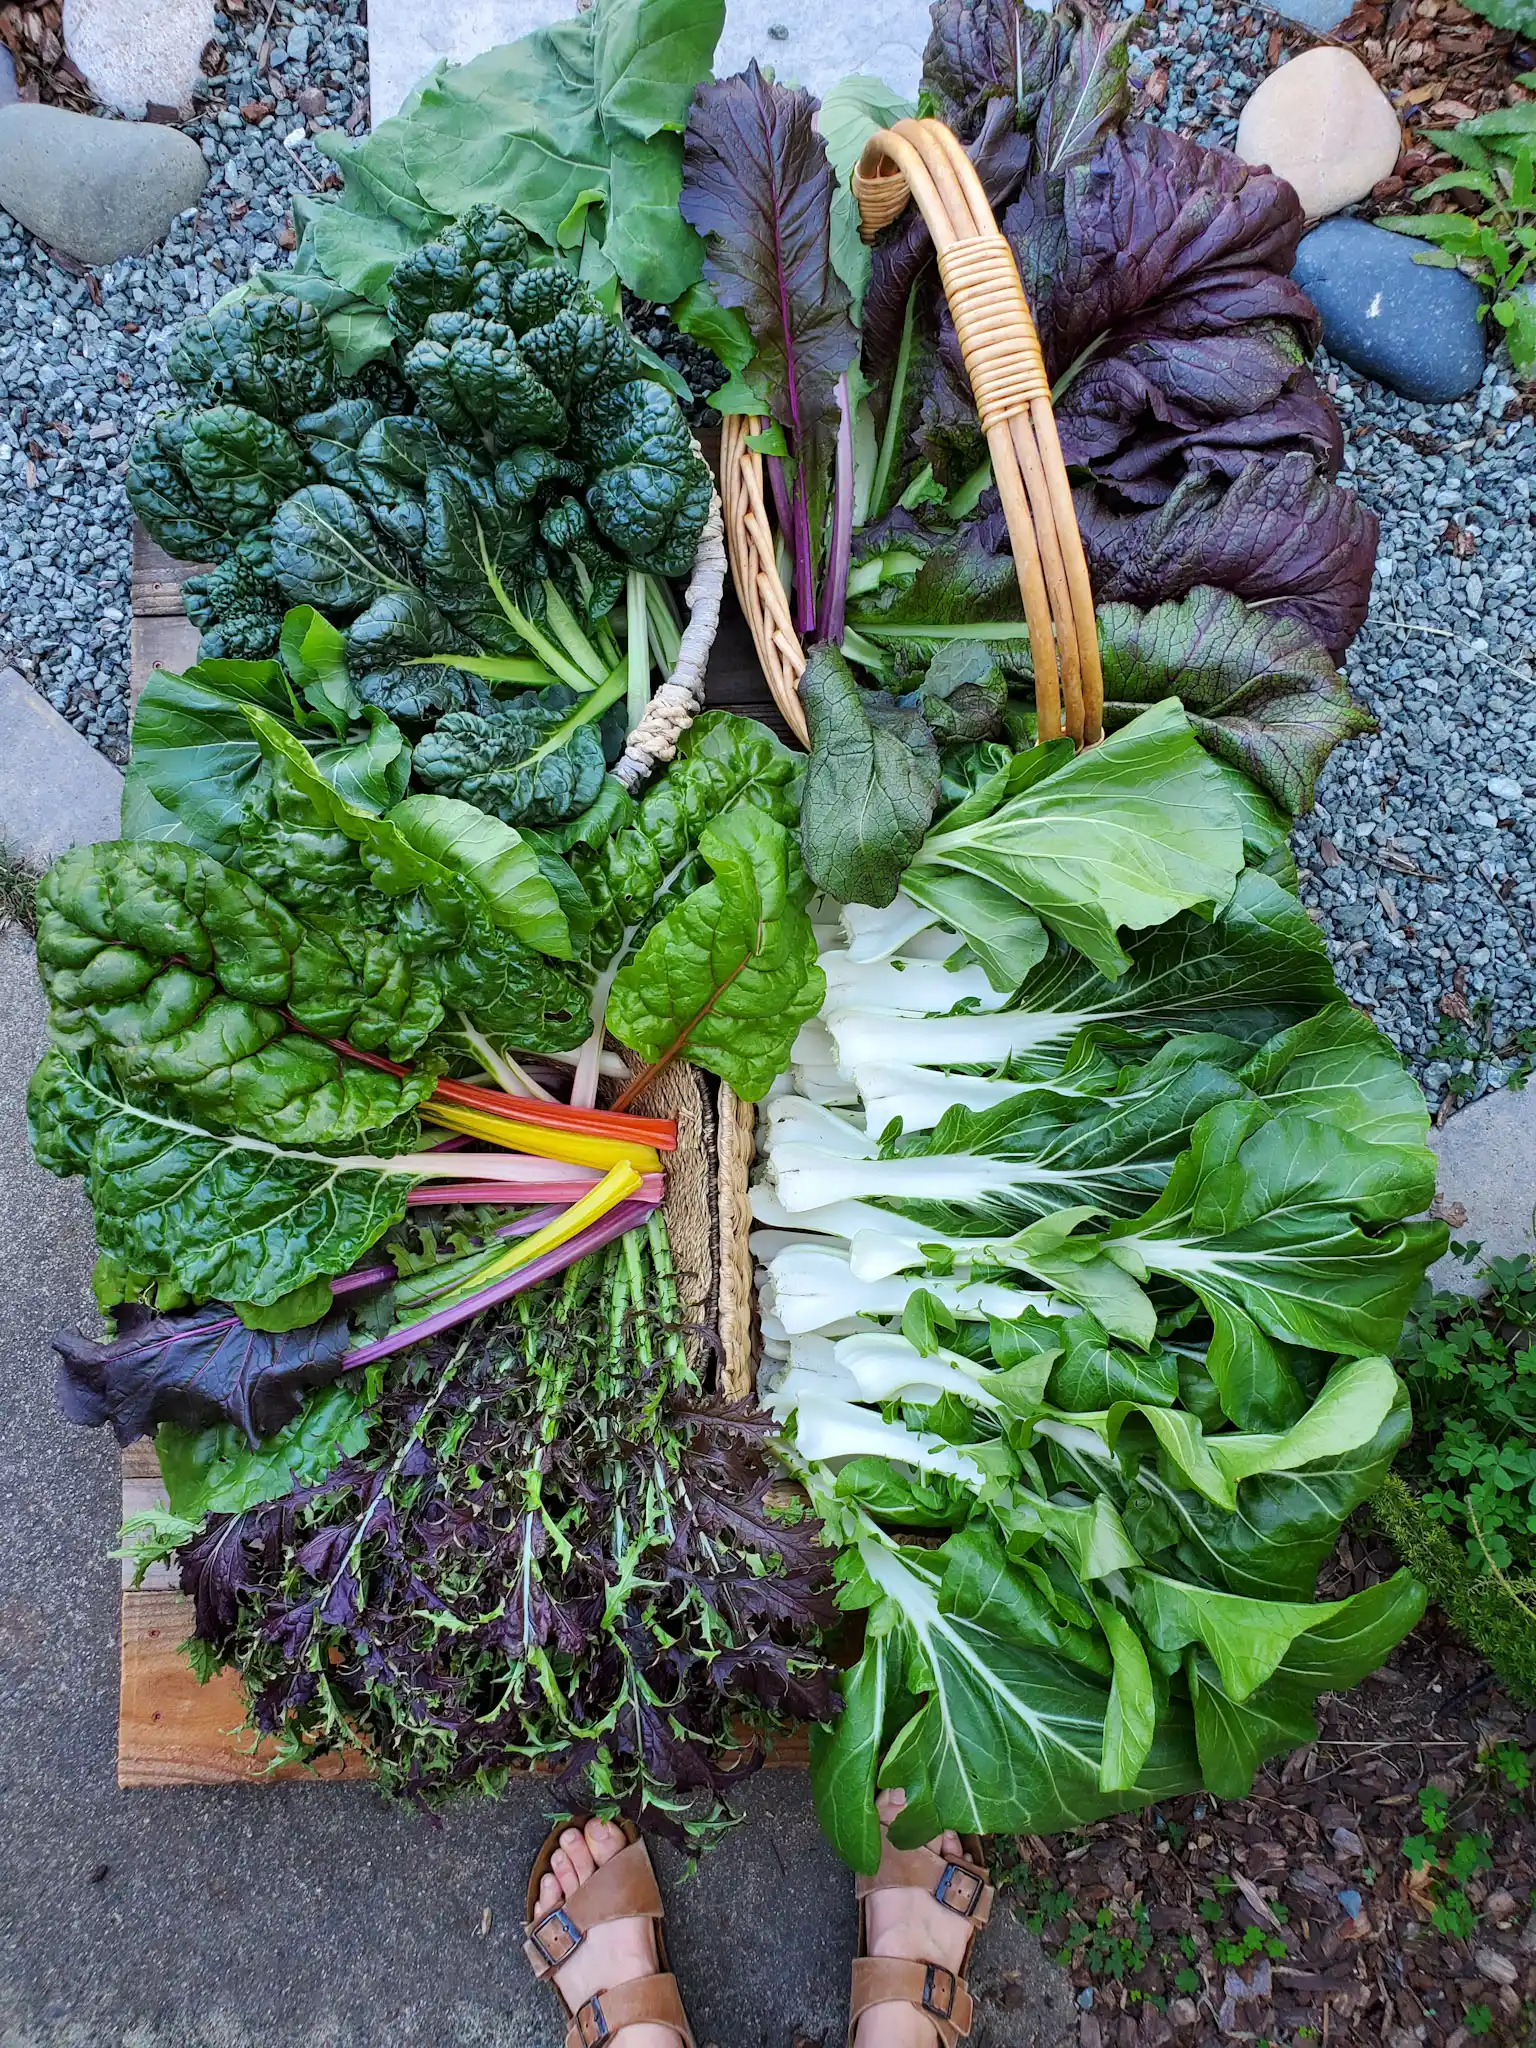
(1353, 1637)
(191, 980)
(730, 975)
(1127, 835)
(870, 788)
(1259, 688)
(1263, 1220)
(1008, 1738)
(226, 1217)
(460, 858)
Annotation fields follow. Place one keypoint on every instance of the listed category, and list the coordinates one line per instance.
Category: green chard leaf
(729, 976)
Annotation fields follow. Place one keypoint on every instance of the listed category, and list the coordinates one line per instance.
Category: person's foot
(612, 1954)
(913, 1926)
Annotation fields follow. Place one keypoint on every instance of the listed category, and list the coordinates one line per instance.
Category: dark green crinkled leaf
(326, 551)
(870, 787)
(228, 1218)
(240, 465)
(161, 493)
(1259, 689)
(273, 355)
(530, 762)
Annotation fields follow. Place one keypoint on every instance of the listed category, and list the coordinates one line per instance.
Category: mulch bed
(1351, 1945)
(1439, 64)
(33, 32)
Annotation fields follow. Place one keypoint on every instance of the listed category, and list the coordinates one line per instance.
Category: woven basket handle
(923, 160)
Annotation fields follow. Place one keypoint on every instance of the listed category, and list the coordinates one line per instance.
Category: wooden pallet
(171, 1730)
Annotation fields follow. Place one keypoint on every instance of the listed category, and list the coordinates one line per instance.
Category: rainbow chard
(758, 186)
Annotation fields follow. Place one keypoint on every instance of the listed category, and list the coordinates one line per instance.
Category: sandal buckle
(591, 2026)
(567, 1938)
(959, 1889)
(939, 1981)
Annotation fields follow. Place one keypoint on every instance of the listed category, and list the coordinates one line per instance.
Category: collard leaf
(1258, 689)
(196, 1368)
(730, 975)
(871, 786)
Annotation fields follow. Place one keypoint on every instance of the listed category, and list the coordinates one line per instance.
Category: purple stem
(365, 1276)
(592, 1239)
(778, 483)
(834, 588)
(805, 580)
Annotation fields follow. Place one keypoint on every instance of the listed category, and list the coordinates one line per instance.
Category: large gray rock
(1487, 1181)
(135, 51)
(56, 791)
(96, 189)
(1412, 327)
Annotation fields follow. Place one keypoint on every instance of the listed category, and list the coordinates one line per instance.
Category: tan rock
(1324, 124)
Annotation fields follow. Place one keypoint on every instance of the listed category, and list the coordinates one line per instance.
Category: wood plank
(159, 640)
(158, 577)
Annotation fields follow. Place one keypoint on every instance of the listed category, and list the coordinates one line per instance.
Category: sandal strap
(937, 1993)
(643, 2001)
(963, 1887)
(624, 1888)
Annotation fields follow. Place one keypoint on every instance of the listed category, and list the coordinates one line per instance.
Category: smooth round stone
(135, 51)
(1412, 327)
(96, 189)
(1322, 123)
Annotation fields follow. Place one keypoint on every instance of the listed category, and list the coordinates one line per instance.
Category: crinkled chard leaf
(183, 975)
(870, 787)
(195, 1369)
(650, 492)
(728, 977)
(161, 492)
(1258, 689)
(226, 1217)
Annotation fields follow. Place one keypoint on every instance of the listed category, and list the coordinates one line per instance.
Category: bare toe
(889, 1803)
(574, 1843)
(605, 1838)
(550, 1894)
(950, 1846)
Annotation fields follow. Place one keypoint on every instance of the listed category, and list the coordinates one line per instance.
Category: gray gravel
(91, 360)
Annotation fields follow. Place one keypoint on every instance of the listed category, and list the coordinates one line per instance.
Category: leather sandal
(940, 1995)
(624, 1888)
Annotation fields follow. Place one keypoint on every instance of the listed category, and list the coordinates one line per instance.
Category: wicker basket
(922, 160)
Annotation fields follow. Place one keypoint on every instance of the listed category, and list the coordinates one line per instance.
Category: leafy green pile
(534, 1545)
(512, 444)
(1084, 1239)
